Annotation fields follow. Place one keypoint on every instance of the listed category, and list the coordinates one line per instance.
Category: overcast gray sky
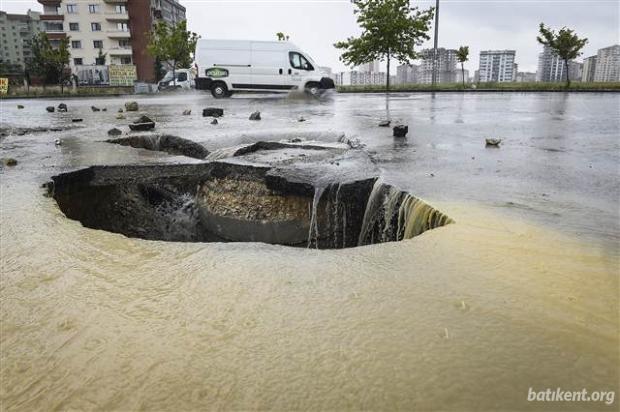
(314, 25)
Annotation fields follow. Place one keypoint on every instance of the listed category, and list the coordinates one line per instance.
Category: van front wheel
(219, 90)
(313, 88)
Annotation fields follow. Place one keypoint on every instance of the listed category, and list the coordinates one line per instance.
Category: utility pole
(434, 81)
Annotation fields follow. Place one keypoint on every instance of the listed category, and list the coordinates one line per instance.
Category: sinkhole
(286, 194)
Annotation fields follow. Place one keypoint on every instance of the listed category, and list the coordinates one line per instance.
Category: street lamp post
(434, 81)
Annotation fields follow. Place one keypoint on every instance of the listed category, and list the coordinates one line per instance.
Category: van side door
(268, 69)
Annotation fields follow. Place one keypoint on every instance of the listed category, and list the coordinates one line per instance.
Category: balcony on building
(115, 1)
(50, 2)
(114, 16)
(118, 34)
(52, 17)
(121, 51)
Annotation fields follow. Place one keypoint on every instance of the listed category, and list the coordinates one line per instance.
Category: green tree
(565, 43)
(281, 36)
(390, 29)
(173, 44)
(48, 61)
(462, 55)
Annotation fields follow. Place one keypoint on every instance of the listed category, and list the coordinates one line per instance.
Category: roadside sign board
(4, 85)
(122, 75)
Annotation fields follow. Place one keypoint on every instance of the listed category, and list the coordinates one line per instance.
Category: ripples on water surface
(521, 292)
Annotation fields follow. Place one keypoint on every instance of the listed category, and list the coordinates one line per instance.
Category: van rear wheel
(219, 90)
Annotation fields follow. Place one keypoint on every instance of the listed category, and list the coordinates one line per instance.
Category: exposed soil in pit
(288, 194)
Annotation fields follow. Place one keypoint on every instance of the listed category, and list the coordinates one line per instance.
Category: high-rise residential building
(446, 66)
(608, 64)
(497, 66)
(407, 74)
(357, 78)
(462, 74)
(114, 28)
(525, 77)
(551, 68)
(589, 67)
(17, 31)
(372, 67)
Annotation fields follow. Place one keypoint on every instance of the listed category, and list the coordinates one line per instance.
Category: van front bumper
(203, 83)
(327, 83)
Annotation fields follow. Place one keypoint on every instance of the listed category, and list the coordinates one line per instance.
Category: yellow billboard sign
(122, 75)
(4, 85)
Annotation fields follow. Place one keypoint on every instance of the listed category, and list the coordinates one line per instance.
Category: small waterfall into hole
(230, 202)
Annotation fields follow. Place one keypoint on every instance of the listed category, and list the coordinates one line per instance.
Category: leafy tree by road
(48, 61)
(173, 44)
(564, 43)
(281, 36)
(462, 55)
(390, 30)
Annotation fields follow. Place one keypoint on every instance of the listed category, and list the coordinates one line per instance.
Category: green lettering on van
(217, 72)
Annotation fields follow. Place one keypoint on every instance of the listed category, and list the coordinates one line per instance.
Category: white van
(227, 66)
(184, 80)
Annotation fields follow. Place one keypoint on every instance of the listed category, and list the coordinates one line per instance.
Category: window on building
(125, 60)
(76, 44)
(124, 44)
(78, 61)
(93, 8)
(74, 26)
(95, 26)
(120, 9)
(122, 26)
(98, 44)
(72, 8)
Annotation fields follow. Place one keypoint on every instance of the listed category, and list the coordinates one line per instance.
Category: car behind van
(183, 79)
(229, 66)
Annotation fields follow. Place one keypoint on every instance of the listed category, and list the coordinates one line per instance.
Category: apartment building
(497, 66)
(357, 78)
(608, 64)
(116, 29)
(589, 68)
(446, 66)
(16, 33)
(407, 74)
(372, 67)
(551, 68)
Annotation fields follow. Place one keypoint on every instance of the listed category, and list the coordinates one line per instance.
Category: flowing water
(521, 291)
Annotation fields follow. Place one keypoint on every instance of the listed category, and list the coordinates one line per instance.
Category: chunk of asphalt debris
(9, 161)
(301, 119)
(212, 112)
(143, 123)
(19, 106)
(104, 109)
(385, 123)
(95, 109)
(187, 112)
(50, 109)
(77, 120)
(401, 130)
(214, 121)
(255, 116)
(131, 106)
(57, 142)
(62, 107)
(120, 110)
(120, 116)
(493, 142)
(114, 132)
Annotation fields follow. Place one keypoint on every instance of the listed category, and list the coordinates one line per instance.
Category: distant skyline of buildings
(493, 66)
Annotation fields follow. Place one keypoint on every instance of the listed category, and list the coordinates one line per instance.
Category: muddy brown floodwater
(520, 292)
